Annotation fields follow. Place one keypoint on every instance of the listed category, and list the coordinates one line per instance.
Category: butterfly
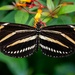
(19, 40)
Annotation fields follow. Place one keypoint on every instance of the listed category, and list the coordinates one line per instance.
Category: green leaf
(45, 13)
(9, 17)
(68, 1)
(46, 20)
(18, 66)
(16, 1)
(2, 14)
(50, 5)
(56, 2)
(31, 22)
(21, 17)
(7, 7)
(67, 9)
(62, 20)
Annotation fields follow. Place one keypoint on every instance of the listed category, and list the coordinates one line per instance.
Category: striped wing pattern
(17, 40)
(21, 40)
(57, 41)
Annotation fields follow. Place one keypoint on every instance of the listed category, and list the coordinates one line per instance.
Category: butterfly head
(40, 25)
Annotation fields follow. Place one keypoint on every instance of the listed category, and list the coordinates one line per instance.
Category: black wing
(17, 40)
(58, 41)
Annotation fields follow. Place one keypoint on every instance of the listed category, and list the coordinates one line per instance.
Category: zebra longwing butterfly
(22, 41)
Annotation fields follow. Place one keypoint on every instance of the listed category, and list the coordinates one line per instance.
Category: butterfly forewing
(21, 40)
(58, 41)
(17, 40)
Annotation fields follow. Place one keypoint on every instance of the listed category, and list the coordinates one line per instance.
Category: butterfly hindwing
(57, 41)
(21, 40)
(17, 40)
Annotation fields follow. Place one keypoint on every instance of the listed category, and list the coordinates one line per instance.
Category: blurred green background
(37, 64)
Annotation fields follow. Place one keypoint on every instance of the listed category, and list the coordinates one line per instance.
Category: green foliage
(67, 9)
(50, 5)
(66, 69)
(9, 17)
(62, 20)
(17, 66)
(7, 7)
(38, 64)
(21, 17)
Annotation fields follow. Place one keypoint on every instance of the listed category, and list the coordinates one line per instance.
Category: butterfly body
(22, 41)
